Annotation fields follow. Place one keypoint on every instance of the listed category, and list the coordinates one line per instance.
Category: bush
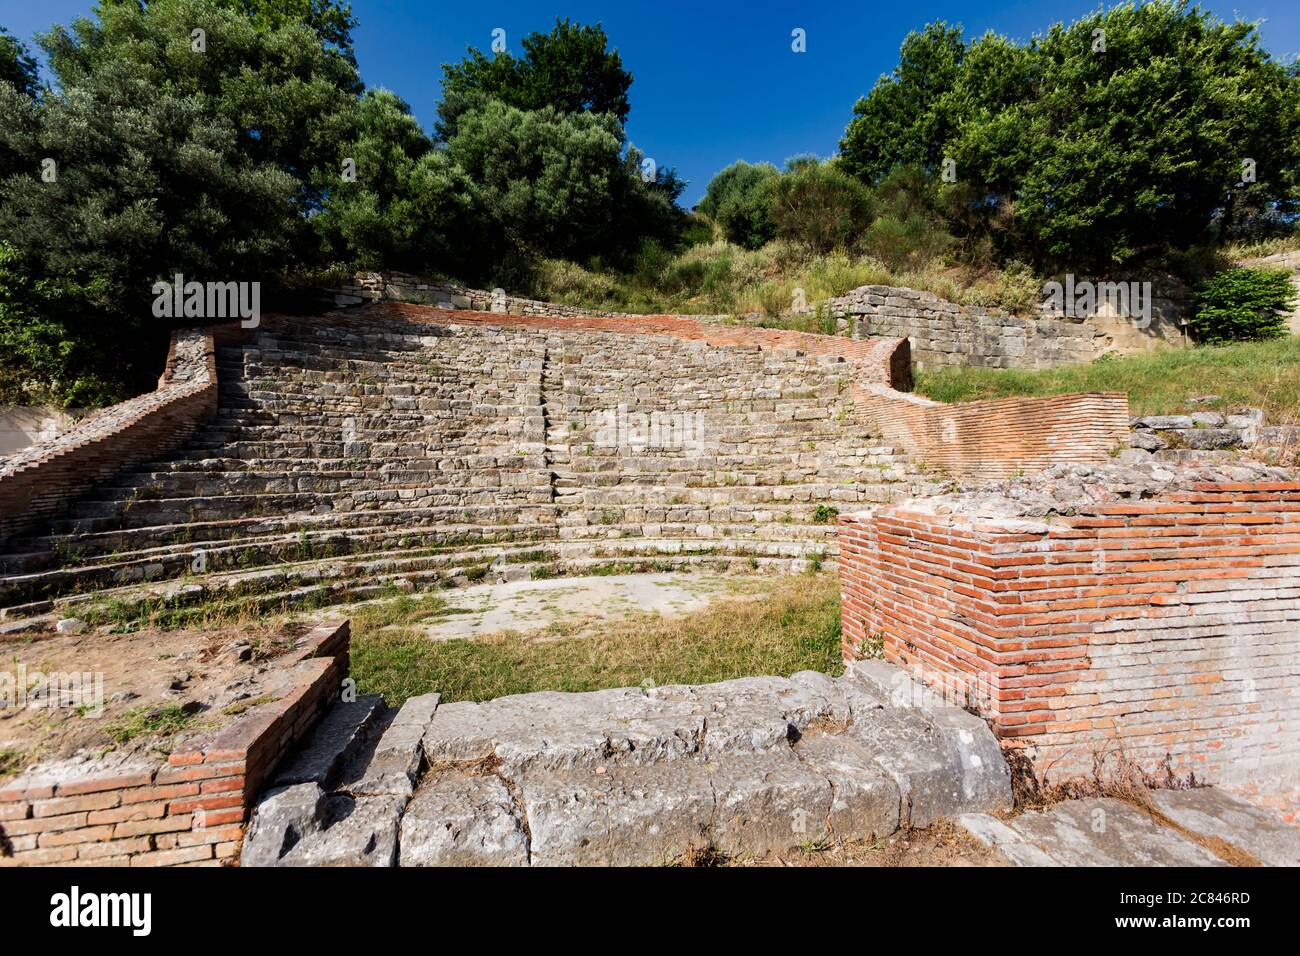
(1243, 305)
(822, 207)
(739, 199)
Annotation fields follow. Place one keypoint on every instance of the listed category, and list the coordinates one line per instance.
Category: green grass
(1260, 374)
(148, 722)
(796, 628)
(10, 761)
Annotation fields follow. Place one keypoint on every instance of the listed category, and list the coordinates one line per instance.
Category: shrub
(739, 199)
(1243, 305)
(821, 206)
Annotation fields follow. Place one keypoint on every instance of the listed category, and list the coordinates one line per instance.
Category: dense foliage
(254, 152)
(569, 69)
(1243, 305)
(1111, 140)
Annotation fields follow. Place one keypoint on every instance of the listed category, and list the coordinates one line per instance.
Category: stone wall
(944, 333)
(1089, 611)
(998, 438)
(37, 483)
(884, 360)
(371, 287)
(189, 809)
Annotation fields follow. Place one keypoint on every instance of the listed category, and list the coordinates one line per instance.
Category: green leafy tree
(569, 69)
(740, 199)
(1091, 157)
(411, 207)
(906, 118)
(330, 20)
(168, 160)
(1243, 305)
(291, 100)
(17, 68)
(557, 184)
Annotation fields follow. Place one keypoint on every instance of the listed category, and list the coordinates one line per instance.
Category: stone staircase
(631, 776)
(353, 456)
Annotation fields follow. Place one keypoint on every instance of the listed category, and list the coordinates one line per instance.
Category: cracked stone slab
(301, 825)
(1100, 831)
(907, 748)
(952, 764)
(768, 803)
(360, 831)
(1213, 813)
(864, 800)
(757, 714)
(628, 816)
(281, 819)
(398, 757)
(331, 743)
(558, 731)
(463, 820)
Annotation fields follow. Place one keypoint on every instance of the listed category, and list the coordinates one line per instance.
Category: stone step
(337, 740)
(634, 776)
(1094, 831)
(285, 586)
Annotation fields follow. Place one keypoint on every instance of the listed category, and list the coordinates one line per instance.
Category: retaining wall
(1166, 628)
(37, 483)
(944, 333)
(998, 438)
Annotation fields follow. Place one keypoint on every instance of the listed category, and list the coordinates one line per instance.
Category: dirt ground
(61, 694)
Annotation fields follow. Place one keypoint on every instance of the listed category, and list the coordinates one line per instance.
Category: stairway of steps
(347, 460)
(751, 767)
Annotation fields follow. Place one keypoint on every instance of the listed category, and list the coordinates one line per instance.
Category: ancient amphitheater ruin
(1027, 584)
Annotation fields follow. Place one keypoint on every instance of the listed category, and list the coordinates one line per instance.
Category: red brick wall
(1169, 626)
(189, 810)
(40, 482)
(998, 437)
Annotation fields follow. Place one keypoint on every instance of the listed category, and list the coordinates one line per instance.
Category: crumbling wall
(1092, 610)
(944, 333)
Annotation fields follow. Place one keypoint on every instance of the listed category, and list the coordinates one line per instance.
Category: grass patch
(10, 762)
(235, 709)
(796, 628)
(148, 722)
(1261, 374)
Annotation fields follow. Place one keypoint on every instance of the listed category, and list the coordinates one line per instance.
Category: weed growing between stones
(1120, 777)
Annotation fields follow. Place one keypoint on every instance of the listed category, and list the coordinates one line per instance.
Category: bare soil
(138, 693)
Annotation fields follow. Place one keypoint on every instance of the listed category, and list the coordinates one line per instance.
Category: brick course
(1162, 627)
(191, 808)
(997, 438)
(37, 483)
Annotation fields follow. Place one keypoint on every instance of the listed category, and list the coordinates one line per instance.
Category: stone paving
(530, 606)
(1099, 831)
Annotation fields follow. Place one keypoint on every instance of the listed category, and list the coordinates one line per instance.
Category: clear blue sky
(713, 82)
